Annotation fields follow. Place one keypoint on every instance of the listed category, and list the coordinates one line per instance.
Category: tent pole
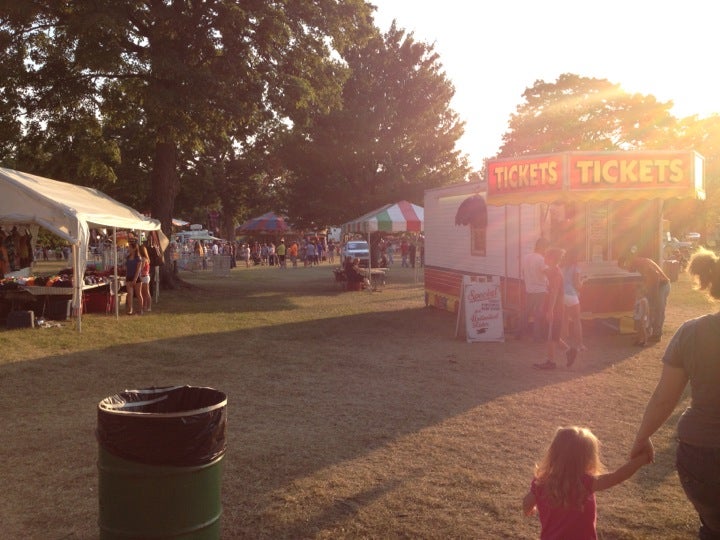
(77, 293)
(115, 275)
(505, 280)
(521, 281)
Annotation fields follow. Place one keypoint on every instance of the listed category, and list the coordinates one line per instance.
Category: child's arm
(606, 481)
(529, 504)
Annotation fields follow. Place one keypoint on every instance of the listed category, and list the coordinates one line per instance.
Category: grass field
(350, 414)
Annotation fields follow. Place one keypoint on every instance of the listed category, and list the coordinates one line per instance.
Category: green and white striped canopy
(402, 216)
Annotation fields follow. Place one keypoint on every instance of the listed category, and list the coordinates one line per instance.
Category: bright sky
(493, 50)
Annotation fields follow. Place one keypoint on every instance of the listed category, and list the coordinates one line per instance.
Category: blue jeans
(699, 472)
(657, 308)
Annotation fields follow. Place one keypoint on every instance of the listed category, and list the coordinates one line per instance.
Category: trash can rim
(117, 409)
(120, 406)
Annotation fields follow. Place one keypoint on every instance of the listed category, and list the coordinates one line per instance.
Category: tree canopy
(393, 137)
(158, 101)
(580, 113)
(179, 72)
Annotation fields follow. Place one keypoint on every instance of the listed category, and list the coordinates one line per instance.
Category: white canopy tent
(68, 211)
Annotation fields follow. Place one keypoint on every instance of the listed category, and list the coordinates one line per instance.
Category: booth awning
(472, 211)
(595, 176)
(402, 216)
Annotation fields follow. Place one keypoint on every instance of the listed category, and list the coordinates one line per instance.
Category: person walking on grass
(554, 309)
(693, 356)
(562, 491)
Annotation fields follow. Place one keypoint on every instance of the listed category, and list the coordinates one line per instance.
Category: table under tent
(69, 211)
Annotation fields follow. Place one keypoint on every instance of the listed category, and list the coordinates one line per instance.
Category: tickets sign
(529, 179)
(630, 170)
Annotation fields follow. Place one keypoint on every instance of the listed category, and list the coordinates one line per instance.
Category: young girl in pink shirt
(562, 491)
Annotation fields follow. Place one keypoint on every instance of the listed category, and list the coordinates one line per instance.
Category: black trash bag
(181, 426)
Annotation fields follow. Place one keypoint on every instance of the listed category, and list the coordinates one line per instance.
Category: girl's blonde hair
(573, 453)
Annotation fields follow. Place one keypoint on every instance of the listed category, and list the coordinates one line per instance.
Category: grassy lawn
(350, 414)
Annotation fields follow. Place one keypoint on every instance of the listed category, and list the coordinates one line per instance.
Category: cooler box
(21, 319)
(97, 302)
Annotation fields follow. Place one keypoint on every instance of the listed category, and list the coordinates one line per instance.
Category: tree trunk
(162, 194)
(228, 226)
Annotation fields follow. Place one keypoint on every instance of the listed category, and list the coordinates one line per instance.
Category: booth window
(478, 240)
(473, 212)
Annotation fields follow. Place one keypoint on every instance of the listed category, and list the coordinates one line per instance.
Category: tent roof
(68, 211)
(402, 216)
(55, 205)
(269, 222)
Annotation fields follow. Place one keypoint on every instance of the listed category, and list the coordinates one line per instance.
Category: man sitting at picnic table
(353, 275)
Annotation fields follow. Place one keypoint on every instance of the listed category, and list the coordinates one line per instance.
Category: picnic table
(376, 276)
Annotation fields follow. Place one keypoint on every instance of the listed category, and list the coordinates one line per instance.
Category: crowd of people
(302, 252)
(564, 483)
(411, 252)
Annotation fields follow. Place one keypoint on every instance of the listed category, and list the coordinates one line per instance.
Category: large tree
(394, 136)
(580, 113)
(181, 69)
(703, 136)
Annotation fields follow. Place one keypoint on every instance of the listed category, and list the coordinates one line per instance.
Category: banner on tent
(480, 312)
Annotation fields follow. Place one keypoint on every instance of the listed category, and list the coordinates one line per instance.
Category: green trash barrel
(160, 463)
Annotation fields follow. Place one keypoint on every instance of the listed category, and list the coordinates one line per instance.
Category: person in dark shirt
(693, 356)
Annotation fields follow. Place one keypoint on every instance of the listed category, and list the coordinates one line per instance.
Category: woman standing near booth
(133, 266)
(146, 296)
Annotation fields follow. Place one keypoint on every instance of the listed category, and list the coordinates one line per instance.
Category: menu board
(598, 233)
(482, 308)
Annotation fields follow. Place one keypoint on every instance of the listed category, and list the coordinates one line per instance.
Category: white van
(357, 249)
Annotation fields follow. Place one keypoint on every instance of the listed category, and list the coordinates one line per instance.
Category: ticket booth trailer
(601, 204)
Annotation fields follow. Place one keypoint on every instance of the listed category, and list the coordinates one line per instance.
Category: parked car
(693, 238)
(357, 249)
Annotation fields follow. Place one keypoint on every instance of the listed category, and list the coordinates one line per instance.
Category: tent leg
(77, 288)
(115, 275)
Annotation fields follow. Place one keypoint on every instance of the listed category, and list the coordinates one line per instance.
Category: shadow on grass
(302, 397)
